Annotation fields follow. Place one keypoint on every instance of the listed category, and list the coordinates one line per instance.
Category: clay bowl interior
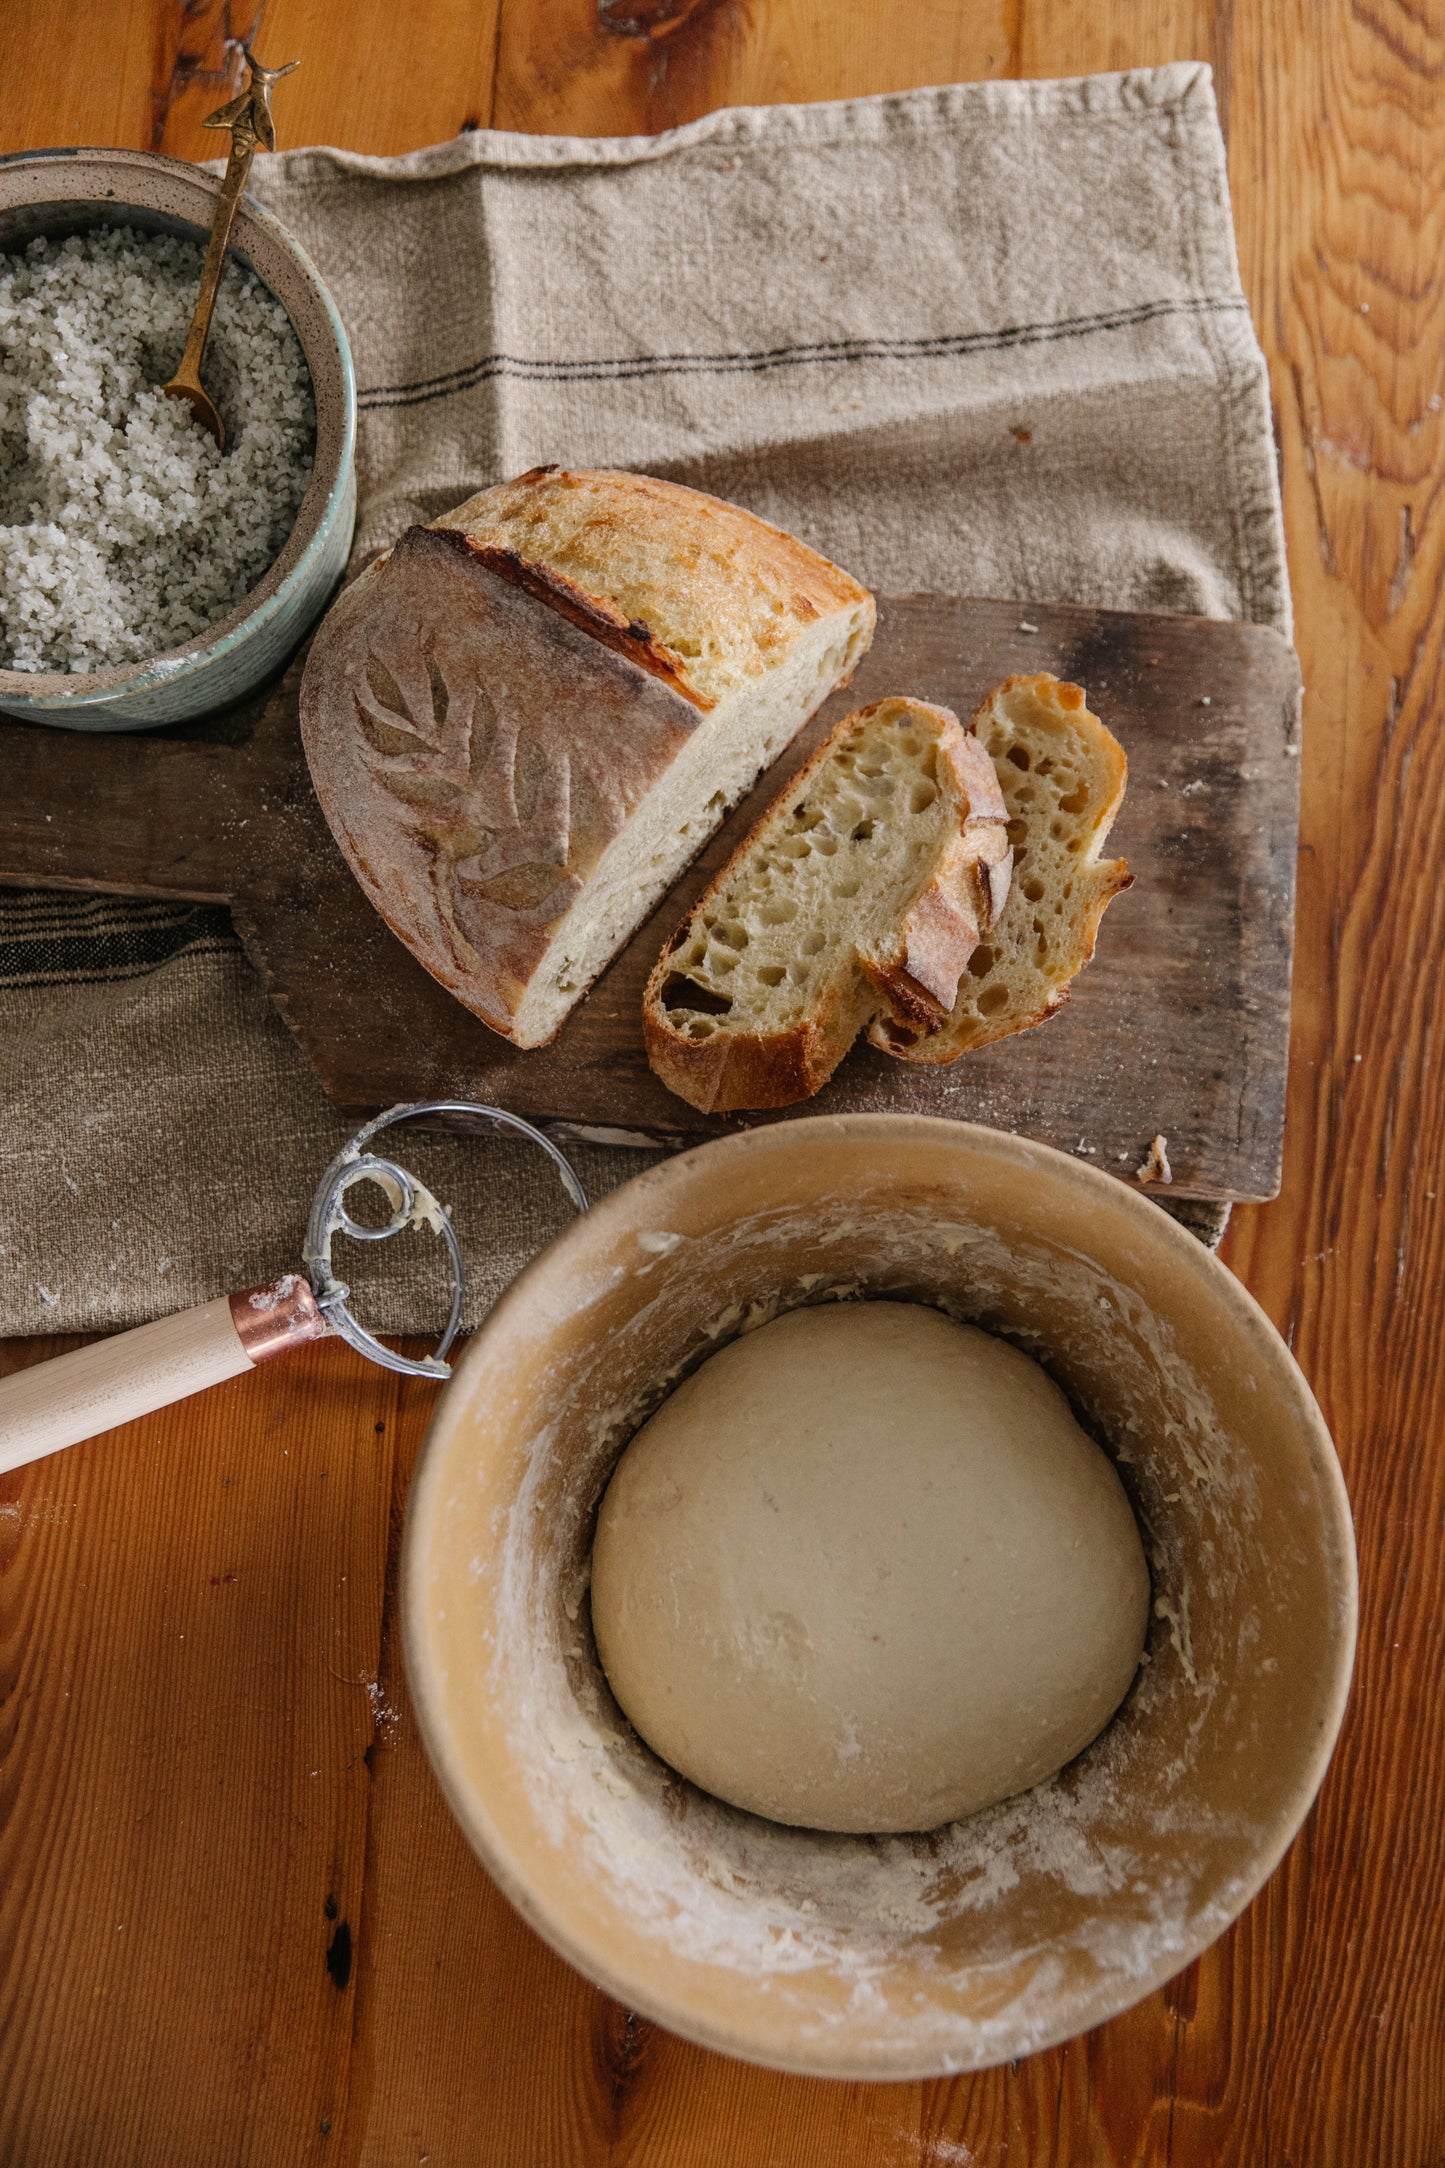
(884, 1957)
(62, 192)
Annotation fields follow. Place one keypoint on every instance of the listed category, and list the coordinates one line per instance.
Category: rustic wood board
(1180, 1027)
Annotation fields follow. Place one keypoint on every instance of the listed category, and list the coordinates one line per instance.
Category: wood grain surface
(1193, 971)
(210, 1770)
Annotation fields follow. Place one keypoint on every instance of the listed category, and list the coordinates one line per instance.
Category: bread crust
(591, 613)
(719, 590)
(914, 976)
(918, 977)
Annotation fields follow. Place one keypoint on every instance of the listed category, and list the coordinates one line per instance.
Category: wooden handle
(112, 1381)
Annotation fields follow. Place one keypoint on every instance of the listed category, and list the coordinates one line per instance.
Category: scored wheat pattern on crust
(507, 825)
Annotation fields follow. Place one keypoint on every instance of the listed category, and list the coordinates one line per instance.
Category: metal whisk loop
(412, 1205)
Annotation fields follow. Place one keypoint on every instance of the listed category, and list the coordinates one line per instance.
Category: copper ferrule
(268, 1320)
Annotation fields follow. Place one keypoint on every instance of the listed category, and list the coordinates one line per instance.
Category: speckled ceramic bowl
(69, 191)
(896, 1957)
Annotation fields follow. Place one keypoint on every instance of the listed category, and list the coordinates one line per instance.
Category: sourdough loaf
(529, 716)
(1063, 776)
(863, 891)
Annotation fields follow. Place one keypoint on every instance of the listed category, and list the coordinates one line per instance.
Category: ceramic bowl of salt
(145, 576)
(900, 1956)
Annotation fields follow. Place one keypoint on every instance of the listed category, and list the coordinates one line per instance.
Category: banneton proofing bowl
(62, 192)
(893, 1957)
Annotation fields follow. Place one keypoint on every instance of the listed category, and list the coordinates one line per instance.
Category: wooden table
(236, 1921)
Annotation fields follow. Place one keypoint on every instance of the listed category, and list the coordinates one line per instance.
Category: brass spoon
(249, 120)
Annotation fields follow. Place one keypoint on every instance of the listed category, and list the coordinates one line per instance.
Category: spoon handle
(249, 120)
(238, 166)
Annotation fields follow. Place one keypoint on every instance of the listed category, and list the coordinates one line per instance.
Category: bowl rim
(48, 692)
(468, 1805)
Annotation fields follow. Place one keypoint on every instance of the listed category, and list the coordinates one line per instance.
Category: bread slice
(863, 890)
(526, 719)
(1063, 778)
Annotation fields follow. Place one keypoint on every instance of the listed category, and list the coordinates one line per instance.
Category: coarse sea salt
(124, 531)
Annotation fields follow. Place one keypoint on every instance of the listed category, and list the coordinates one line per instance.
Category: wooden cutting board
(1180, 1027)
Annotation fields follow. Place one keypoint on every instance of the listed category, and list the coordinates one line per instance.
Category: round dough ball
(863, 1571)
